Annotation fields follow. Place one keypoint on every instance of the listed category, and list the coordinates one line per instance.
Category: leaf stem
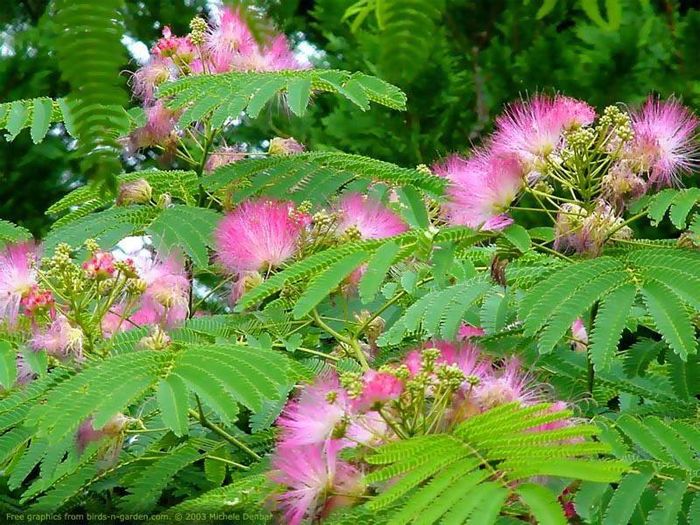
(350, 341)
(220, 431)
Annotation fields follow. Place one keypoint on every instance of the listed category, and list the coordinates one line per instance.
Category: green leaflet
(376, 271)
(173, 402)
(8, 364)
(322, 285)
(671, 318)
(608, 325)
(454, 487)
(185, 227)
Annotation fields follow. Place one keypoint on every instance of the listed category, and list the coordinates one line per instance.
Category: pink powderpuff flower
(465, 356)
(467, 331)
(532, 129)
(315, 416)
(370, 217)
(258, 235)
(230, 38)
(579, 335)
(147, 78)
(61, 339)
(368, 429)
(17, 278)
(166, 299)
(664, 141)
(278, 56)
(223, 156)
(316, 481)
(288, 146)
(480, 189)
(178, 48)
(378, 389)
(507, 385)
(37, 300)
(25, 374)
(87, 433)
(99, 266)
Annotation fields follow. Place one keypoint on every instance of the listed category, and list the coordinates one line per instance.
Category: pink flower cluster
(327, 417)
(165, 301)
(482, 188)
(263, 234)
(530, 142)
(226, 46)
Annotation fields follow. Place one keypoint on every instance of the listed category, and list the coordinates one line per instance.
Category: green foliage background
(458, 61)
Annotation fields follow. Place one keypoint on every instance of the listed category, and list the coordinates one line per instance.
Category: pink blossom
(178, 48)
(223, 156)
(229, 39)
(166, 299)
(87, 433)
(313, 418)
(278, 56)
(257, 235)
(378, 388)
(532, 129)
(147, 78)
(368, 428)
(481, 189)
(288, 146)
(99, 266)
(61, 339)
(24, 372)
(413, 361)
(316, 481)
(370, 217)
(160, 123)
(467, 331)
(37, 300)
(17, 278)
(509, 384)
(465, 356)
(664, 141)
(580, 335)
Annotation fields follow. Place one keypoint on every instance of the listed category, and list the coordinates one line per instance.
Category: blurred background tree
(459, 62)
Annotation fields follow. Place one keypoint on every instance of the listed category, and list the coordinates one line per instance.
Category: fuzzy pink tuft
(481, 189)
(147, 78)
(166, 299)
(223, 156)
(664, 141)
(61, 339)
(465, 356)
(467, 331)
(310, 475)
(228, 40)
(580, 335)
(314, 416)
(257, 235)
(532, 129)
(17, 278)
(378, 388)
(371, 218)
(507, 385)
